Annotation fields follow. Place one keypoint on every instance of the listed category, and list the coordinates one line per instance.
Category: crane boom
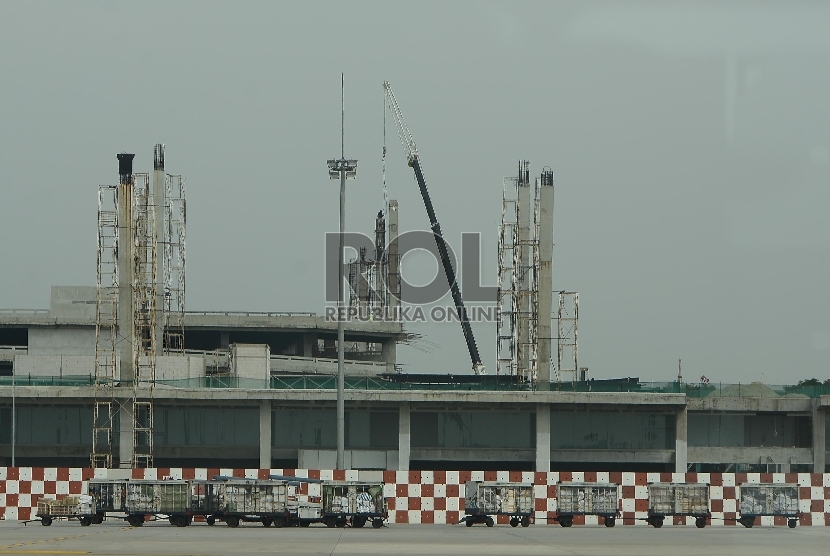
(414, 162)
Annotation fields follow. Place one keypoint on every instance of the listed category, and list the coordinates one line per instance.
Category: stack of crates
(66, 506)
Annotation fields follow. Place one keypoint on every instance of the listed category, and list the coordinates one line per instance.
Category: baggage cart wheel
(468, 522)
(181, 521)
(656, 522)
(136, 520)
(86, 521)
(566, 521)
(489, 521)
(514, 521)
(232, 521)
(330, 522)
(747, 522)
(171, 519)
(97, 519)
(358, 521)
(525, 521)
(610, 521)
(700, 522)
(266, 522)
(340, 523)
(377, 523)
(792, 523)
(46, 521)
(279, 522)
(210, 520)
(305, 523)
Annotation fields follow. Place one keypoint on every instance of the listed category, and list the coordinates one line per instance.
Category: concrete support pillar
(159, 191)
(542, 437)
(126, 250)
(389, 351)
(126, 447)
(523, 299)
(265, 435)
(681, 437)
(545, 294)
(126, 326)
(404, 427)
(393, 278)
(819, 437)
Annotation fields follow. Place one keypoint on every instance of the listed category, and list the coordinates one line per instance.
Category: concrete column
(545, 295)
(819, 438)
(393, 278)
(389, 353)
(265, 435)
(542, 437)
(125, 323)
(404, 426)
(126, 447)
(681, 441)
(525, 204)
(126, 251)
(159, 191)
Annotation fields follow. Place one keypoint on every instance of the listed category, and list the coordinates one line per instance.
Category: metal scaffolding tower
(506, 299)
(518, 279)
(567, 368)
(175, 226)
(106, 328)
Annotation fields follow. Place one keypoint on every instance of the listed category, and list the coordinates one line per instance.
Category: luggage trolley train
(279, 501)
(291, 501)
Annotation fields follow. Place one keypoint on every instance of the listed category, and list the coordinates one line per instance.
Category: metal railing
(486, 384)
(250, 313)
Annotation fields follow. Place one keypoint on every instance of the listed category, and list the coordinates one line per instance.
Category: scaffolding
(567, 368)
(144, 319)
(505, 301)
(517, 317)
(175, 226)
(106, 328)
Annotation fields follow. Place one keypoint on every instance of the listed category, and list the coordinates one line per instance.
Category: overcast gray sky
(690, 141)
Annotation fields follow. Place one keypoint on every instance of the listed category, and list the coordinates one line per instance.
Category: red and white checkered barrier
(438, 496)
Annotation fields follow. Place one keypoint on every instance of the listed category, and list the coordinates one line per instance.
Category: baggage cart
(353, 502)
(155, 498)
(678, 499)
(109, 496)
(483, 500)
(80, 507)
(236, 500)
(774, 500)
(600, 499)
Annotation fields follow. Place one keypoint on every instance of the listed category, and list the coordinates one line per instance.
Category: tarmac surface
(160, 538)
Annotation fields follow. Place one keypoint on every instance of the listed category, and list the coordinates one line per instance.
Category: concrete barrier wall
(438, 496)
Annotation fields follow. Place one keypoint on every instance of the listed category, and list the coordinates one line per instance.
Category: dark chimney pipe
(125, 167)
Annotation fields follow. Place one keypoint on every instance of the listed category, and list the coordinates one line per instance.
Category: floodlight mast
(414, 161)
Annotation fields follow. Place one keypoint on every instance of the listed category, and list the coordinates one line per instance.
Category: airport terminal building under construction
(120, 374)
